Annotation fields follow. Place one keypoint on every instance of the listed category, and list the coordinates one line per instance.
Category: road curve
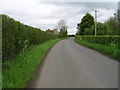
(70, 65)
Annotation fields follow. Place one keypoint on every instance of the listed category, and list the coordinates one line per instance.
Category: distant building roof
(50, 31)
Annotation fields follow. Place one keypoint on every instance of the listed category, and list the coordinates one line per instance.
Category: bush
(17, 37)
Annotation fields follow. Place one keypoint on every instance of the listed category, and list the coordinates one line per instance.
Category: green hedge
(103, 40)
(110, 44)
(16, 37)
(18, 72)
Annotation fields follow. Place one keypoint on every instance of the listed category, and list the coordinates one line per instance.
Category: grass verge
(110, 51)
(17, 72)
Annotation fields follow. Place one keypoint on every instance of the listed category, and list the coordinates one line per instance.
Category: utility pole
(95, 21)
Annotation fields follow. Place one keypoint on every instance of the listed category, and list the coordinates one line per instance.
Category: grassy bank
(17, 72)
(108, 50)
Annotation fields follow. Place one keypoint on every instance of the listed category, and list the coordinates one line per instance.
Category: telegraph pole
(95, 21)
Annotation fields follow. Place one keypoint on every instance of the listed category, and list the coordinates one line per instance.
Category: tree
(113, 24)
(101, 29)
(89, 31)
(55, 30)
(62, 27)
(118, 15)
(78, 27)
(87, 22)
(118, 19)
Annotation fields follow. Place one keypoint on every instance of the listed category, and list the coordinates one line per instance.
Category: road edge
(32, 82)
(108, 56)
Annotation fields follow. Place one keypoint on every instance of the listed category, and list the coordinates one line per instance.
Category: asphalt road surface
(70, 65)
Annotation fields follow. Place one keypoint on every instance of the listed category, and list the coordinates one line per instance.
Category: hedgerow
(109, 44)
(16, 37)
(107, 40)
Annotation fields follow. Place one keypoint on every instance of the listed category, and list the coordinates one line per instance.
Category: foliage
(16, 73)
(103, 40)
(89, 31)
(17, 37)
(118, 18)
(56, 31)
(101, 30)
(62, 27)
(87, 22)
(112, 25)
(112, 22)
(106, 44)
(63, 32)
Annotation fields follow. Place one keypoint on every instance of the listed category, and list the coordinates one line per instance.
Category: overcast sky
(46, 14)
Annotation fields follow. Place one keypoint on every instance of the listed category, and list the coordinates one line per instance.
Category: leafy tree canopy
(86, 22)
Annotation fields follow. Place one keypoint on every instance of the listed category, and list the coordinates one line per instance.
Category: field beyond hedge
(108, 44)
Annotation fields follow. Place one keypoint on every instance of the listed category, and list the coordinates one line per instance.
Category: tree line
(110, 27)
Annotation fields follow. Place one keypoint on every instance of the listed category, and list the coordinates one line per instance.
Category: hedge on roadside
(16, 37)
(109, 41)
